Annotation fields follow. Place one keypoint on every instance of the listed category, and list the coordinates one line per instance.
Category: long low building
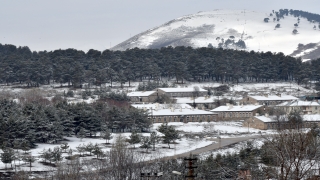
(206, 101)
(142, 96)
(306, 107)
(268, 122)
(231, 112)
(268, 100)
(182, 92)
(161, 113)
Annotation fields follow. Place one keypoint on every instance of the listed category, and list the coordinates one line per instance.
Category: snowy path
(224, 142)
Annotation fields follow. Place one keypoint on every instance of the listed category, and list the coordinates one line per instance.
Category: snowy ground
(198, 134)
(235, 148)
(236, 91)
(202, 132)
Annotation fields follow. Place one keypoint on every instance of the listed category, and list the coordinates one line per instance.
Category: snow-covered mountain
(226, 27)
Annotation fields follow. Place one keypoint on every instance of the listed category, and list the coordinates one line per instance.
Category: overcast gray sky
(99, 24)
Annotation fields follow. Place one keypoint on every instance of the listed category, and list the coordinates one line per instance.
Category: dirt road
(221, 143)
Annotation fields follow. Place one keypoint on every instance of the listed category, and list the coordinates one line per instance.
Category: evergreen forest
(19, 65)
(27, 123)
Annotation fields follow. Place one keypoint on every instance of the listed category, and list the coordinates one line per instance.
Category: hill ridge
(225, 28)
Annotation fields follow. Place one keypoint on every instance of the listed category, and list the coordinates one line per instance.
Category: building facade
(305, 107)
(267, 100)
(142, 96)
(231, 112)
(182, 92)
(267, 122)
(205, 102)
(164, 113)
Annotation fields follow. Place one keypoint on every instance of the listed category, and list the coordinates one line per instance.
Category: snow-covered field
(184, 144)
(236, 91)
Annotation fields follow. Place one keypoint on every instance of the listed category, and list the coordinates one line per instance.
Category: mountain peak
(236, 29)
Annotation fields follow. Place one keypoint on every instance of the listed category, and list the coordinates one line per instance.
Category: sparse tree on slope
(7, 156)
(170, 133)
(145, 142)
(295, 31)
(154, 139)
(82, 133)
(134, 138)
(107, 135)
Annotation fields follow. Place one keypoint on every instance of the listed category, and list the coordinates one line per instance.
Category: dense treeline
(296, 13)
(37, 122)
(20, 65)
(310, 16)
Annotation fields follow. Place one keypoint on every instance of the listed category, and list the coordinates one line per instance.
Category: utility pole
(190, 166)
(219, 138)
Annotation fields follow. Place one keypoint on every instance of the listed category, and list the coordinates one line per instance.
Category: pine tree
(56, 154)
(170, 133)
(94, 123)
(46, 155)
(154, 139)
(97, 151)
(134, 138)
(80, 148)
(107, 135)
(7, 156)
(25, 146)
(82, 133)
(29, 159)
(64, 146)
(89, 148)
(145, 142)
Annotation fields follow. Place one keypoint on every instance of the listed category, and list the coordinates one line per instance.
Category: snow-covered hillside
(198, 30)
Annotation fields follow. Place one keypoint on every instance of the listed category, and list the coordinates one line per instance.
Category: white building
(267, 122)
(182, 92)
(307, 107)
(207, 102)
(268, 99)
(161, 113)
(142, 96)
(231, 112)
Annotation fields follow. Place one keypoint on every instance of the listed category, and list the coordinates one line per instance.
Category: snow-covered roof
(160, 106)
(307, 117)
(171, 109)
(140, 93)
(299, 103)
(236, 108)
(265, 118)
(311, 117)
(197, 100)
(274, 98)
(181, 90)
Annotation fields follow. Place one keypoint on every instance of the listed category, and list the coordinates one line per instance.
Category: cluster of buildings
(194, 105)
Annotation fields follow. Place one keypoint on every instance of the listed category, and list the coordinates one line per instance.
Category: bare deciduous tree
(295, 152)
